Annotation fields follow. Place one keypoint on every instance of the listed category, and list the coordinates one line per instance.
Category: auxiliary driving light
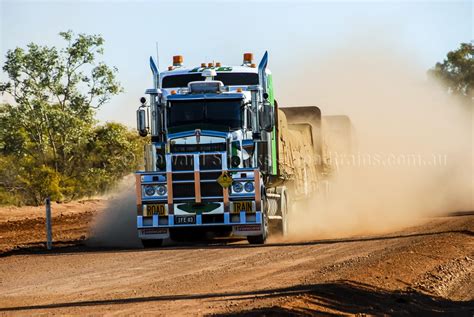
(149, 190)
(249, 187)
(161, 190)
(237, 187)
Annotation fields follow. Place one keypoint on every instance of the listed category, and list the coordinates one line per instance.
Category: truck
(223, 157)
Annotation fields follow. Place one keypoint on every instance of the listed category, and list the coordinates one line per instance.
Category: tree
(457, 71)
(49, 136)
(52, 106)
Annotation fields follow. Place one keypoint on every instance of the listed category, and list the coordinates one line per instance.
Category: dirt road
(424, 269)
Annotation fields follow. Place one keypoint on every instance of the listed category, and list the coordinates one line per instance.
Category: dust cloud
(116, 225)
(412, 151)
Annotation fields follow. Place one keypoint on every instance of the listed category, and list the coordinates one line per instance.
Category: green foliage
(457, 71)
(50, 143)
(42, 181)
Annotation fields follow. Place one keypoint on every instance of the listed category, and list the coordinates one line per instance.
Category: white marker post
(49, 234)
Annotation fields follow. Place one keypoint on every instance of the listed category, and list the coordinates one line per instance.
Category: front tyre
(152, 243)
(260, 239)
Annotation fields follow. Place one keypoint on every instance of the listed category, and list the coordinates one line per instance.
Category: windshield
(218, 114)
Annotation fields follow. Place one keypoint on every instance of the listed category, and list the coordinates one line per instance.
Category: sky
(224, 30)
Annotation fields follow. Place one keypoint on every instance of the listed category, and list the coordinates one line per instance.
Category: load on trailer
(224, 158)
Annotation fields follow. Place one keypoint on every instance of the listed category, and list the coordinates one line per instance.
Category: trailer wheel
(152, 243)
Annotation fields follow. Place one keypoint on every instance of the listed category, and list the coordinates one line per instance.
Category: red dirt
(421, 270)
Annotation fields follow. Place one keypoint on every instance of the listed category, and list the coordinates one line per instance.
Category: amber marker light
(248, 58)
(177, 60)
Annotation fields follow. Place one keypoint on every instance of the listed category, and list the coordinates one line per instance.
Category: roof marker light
(218, 64)
(170, 67)
(177, 60)
(248, 58)
(253, 65)
(239, 89)
(210, 65)
(173, 92)
(203, 64)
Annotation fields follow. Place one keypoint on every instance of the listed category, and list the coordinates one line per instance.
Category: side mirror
(141, 122)
(267, 117)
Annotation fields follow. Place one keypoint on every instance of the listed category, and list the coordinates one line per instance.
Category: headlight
(237, 187)
(249, 187)
(161, 190)
(149, 190)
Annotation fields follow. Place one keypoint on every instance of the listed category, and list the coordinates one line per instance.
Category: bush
(50, 143)
(111, 152)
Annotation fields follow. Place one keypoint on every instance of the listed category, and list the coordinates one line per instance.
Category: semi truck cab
(212, 150)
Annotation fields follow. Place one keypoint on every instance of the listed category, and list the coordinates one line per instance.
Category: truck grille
(210, 162)
(182, 163)
(186, 162)
(211, 189)
(186, 190)
(182, 190)
(210, 175)
(183, 176)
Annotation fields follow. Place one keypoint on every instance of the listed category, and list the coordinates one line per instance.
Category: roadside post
(49, 242)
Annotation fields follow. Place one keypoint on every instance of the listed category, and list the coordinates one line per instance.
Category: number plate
(184, 220)
(154, 209)
(239, 206)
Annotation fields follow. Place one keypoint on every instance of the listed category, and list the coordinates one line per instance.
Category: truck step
(271, 195)
(275, 217)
